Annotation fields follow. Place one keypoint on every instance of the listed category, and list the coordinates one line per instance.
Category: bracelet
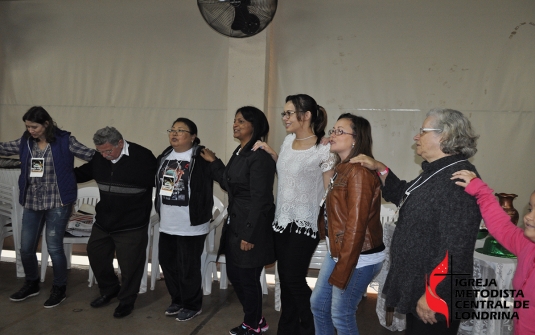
(382, 173)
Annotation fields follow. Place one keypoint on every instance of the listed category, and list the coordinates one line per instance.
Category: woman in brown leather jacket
(354, 232)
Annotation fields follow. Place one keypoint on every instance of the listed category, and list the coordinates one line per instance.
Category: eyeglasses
(106, 152)
(287, 114)
(425, 130)
(339, 132)
(177, 131)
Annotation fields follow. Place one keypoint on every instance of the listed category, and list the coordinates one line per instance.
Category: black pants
(415, 326)
(180, 258)
(293, 252)
(246, 283)
(130, 248)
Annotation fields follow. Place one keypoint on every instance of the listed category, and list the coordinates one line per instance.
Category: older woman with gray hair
(436, 230)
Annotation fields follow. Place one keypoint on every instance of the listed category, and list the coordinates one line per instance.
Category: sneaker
(30, 289)
(173, 309)
(244, 329)
(187, 314)
(263, 325)
(57, 295)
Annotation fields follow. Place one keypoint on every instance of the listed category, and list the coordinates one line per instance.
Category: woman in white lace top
(304, 167)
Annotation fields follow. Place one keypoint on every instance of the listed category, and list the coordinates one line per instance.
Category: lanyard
(44, 152)
(415, 186)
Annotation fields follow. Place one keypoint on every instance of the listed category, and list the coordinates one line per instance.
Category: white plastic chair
(209, 255)
(86, 195)
(387, 213)
(6, 208)
(11, 220)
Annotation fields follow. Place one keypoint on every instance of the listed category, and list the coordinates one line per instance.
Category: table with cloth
(486, 267)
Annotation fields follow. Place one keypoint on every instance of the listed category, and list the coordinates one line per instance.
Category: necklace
(416, 185)
(306, 138)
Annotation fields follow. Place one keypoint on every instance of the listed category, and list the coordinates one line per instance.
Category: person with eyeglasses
(437, 223)
(304, 167)
(184, 201)
(355, 246)
(124, 172)
(47, 191)
(247, 239)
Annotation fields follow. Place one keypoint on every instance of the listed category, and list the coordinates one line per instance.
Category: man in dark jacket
(124, 173)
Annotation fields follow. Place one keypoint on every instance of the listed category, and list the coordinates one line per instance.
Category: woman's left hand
(424, 312)
(246, 246)
(208, 155)
(466, 177)
(325, 140)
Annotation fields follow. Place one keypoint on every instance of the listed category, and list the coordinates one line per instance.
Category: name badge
(168, 186)
(37, 167)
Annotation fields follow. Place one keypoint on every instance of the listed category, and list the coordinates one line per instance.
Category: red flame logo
(434, 301)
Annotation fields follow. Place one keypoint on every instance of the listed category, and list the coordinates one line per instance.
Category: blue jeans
(336, 308)
(32, 224)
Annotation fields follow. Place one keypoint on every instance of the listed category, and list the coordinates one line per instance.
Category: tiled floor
(221, 311)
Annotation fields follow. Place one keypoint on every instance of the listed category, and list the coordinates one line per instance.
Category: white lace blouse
(300, 186)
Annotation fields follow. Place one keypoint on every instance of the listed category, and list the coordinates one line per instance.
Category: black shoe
(263, 325)
(57, 295)
(123, 310)
(187, 314)
(173, 309)
(103, 300)
(243, 329)
(30, 289)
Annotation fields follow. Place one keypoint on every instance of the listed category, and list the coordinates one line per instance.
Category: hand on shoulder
(465, 177)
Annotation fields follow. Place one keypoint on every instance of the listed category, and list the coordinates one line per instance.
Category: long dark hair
(39, 115)
(260, 124)
(362, 131)
(192, 128)
(305, 103)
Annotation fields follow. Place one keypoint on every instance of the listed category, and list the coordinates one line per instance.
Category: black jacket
(201, 198)
(248, 179)
(125, 188)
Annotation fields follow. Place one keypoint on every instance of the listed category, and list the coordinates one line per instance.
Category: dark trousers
(415, 326)
(293, 252)
(130, 248)
(180, 258)
(246, 283)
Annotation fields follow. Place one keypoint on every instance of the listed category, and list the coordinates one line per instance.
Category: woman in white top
(304, 167)
(184, 203)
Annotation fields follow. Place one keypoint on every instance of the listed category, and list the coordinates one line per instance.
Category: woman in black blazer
(247, 238)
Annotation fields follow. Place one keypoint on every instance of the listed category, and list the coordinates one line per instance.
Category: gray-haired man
(124, 172)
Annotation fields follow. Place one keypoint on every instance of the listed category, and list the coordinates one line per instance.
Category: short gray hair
(458, 137)
(107, 135)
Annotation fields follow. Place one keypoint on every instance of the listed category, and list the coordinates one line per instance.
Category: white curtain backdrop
(138, 65)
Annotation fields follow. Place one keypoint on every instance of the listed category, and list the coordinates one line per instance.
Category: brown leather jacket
(353, 217)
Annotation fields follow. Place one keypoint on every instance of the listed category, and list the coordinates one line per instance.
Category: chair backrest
(319, 254)
(219, 212)
(387, 213)
(6, 200)
(87, 195)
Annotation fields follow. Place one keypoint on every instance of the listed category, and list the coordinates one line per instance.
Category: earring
(353, 145)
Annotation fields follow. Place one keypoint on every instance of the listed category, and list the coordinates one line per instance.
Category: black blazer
(248, 178)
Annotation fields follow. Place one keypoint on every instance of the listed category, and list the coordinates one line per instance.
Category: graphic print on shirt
(177, 173)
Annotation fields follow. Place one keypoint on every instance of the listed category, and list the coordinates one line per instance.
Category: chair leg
(67, 248)
(223, 280)
(44, 257)
(277, 290)
(91, 277)
(263, 281)
(207, 275)
(155, 261)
